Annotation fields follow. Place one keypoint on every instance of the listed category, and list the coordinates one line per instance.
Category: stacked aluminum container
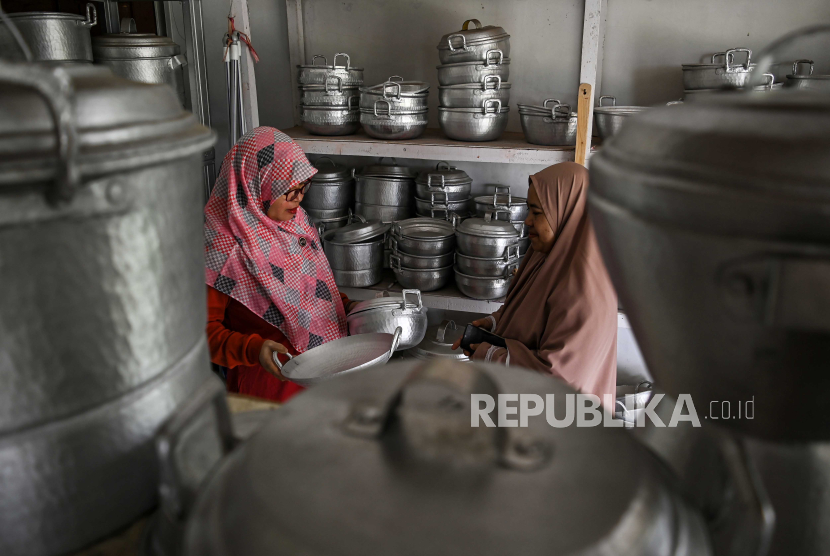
(474, 92)
(395, 109)
(487, 255)
(422, 252)
(330, 199)
(355, 253)
(505, 206)
(329, 96)
(385, 192)
(552, 124)
(443, 192)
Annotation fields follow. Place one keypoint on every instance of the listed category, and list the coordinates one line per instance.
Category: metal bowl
(426, 280)
(716, 75)
(544, 130)
(418, 262)
(393, 126)
(474, 72)
(611, 118)
(481, 287)
(485, 123)
(328, 120)
(471, 95)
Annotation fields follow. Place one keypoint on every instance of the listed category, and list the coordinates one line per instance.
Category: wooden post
(583, 132)
(593, 44)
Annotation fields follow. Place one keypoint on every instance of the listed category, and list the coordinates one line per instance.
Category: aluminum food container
(399, 258)
(471, 95)
(611, 118)
(485, 123)
(332, 93)
(404, 95)
(330, 120)
(504, 205)
(357, 278)
(438, 342)
(468, 45)
(485, 237)
(315, 74)
(424, 237)
(475, 72)
(385, 314)
(332, 188)
(437, 206)
(382, 121)
(504, 266)
(550, 126)
(451, 183)
(51, 36)
(479, 287)
(717, 75)
(329, 214)
(426, 280)
(800, 80)
(383, 213)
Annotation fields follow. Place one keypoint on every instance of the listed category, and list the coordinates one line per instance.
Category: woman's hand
(266, 357)
(478, 322)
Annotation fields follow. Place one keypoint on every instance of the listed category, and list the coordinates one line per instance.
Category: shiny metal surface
(319, 74)
(340, 357)
(393, 126)
(329, 195)
(331, 223)
(357, 278)
(544, 130)
(471, 95)
(330, 94)
(524, 245)
(479, 287)
(484, 123)
(423, 237)
(400, 258)
(51, 36)
(383, 213)
(611, 118)
(426, 280)
(438, 341)
(384, 191)
(436, 203)
(474, 72)
(807, 81)
(453, 192)
(716, 75)
(504, 266)
(468, 45)
(327, 120)
(113, 276)
(504, 205)
(407, 313)
(403, 95)
(326, 214)
(353, 256)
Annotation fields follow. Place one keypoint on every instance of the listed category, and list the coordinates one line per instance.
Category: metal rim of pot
(409, 229)
(390, 112)
(483, 85)
(421, 262)
(439, 344)
(334, 173)
(472, 37)
(425, 279)
(615, 110)
(362, 230)
(334, 66)
(386, 171)
(439, 200)
(130, 46)
(495, 57)
(728, 62)
(487, 227)
(481, 287)
(443, 176)
(508, 263)
(399, 89)
(796, 76)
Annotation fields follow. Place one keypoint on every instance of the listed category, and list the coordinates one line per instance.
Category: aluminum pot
(426, 280)
(423, 237)
(475, 72)
(387, 190)
(332, 93)
(448, 181)
(80, 203)
(555, 128)
(468, 45)
(329, 214)
(331, 120)
(438, 207)
(486, 237)
(504, 205)
(382, 122)
(323, 225)
(486, 123)
(357, 278)
(315, 74)
(404, 95)
(798, 80)
(367, 255)
(481, 287)
(438, 342)
(471, 95)
(383, 213)
(145, 58)
(51, 36)
(387, 313)
(399, 258)
(610, 118)
(739, 244)
(332, 188)
(716, 75)
(489, 267)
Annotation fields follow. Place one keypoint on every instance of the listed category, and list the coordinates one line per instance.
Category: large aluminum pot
(471, 95)
(485, 123)
(554, 126)
(331, 120)
(716, 75)
(611, 118)
(798, 80)
(502, 204)
(332, 188)
(366, 255)
(383, 213)
(468, 45)
(423, 237)
(424, 279)
(451, 183)
(385, 190)
(437, 206)
(103, 297)
(486, 237)
(51, 36)
(504, 266)
(332, 93)
(357, 278)
(383, 122)
(145, 58)
(482, 287)
(329, 214)
(387, 313)
(399, 258)
(475, 72)
(703, 210)
(404, 95)
(315, 74)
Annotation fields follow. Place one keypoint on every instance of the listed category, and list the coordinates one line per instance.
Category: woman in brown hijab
(560, 314)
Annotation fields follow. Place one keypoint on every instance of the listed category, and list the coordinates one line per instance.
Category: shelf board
(432, 145)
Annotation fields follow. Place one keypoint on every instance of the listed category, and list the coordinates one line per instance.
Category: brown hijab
(560, 315)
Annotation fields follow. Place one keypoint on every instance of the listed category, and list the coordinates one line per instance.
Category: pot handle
(395, 77)
(448, 167)
(494, 78)
(441, 333)
(454, 49)
(432, 195)
(770, 81)
(56, 89)
(418, 306)
(394, 85)
(325, 60)
(501, 190)
(277, 361)
(433, 211)
(396, 340)
(716, 55)
(798, 63)
(346, 56)
(475, 22)
(392, 158)
(395, 261)
(339, 83)
(490, 214)
(388, 108)
(603, 97)
(359, 217)
(178, 61)
(510, 253)
(326, 158)
(429, 181)
(355, 98)
(320, 227)
(494, 53)
(488, 102)
(730, 58)
(127, 26)
(91, 16)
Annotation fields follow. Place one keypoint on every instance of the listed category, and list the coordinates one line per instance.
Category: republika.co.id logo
(582, 410)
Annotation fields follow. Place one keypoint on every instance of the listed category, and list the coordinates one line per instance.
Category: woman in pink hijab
(560, 314)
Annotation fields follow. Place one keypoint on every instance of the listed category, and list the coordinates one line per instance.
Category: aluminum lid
(476, 35)
(328, 170)
(487, 227)
(438, 341)
(502, 197)
(406, 299)
(357, 231)
(407, 88)
(443, 173)
(423, 228)
(381, 170)
(119, 46)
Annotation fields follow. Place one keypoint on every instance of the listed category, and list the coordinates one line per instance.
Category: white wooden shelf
(432, 145)
(448, 298)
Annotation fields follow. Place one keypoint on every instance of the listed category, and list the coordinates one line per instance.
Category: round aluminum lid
(388, 171)
(424, 228)
(328, 170)
(450, 174)
(488, 228)
(357, 232)
(477, 35)
(438, 341)
(118, 46)
(407, 88)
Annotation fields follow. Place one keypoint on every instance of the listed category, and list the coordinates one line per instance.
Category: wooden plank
(432, 145)
(296, 49)
(583, 132)
(593, 46)
(242, 22)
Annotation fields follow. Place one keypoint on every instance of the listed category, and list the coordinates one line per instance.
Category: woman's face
(538, 229)
(286, 205)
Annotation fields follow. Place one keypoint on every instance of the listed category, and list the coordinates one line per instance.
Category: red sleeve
(228, 348)
(345, 299)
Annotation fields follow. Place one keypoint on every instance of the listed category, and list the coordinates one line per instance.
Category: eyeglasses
(294, 194)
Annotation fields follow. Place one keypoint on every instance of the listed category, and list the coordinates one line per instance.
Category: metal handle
(432, 195)
(91, 16)
(502, 190)
(475, 22)
(491, 102)
(507, 252)
(419, 305)
(553, 100)
(277, 361)
(438, 166)
(510, 269)
(396, 339)
(339, 83)
(392, 158)
(178, 61)
(360, 217)
(613, 99)
(393, 84)
(348, 60)
(489, 54)
(730, 58)
(716, 55)
(320, 229)
(325, 158)
(393, 242)
(798, 63)
(453, 49)
(356, 99)
(488, 216)
(441, 333)
(388, 108)
(398, 77)
(770, 81)
(56, 89)
(489, 78)
(127, 26)
(325, 60)
(445, 212)
(429, 180)
(395, 260)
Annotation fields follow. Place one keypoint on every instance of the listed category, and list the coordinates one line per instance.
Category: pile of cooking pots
(390, 312)
(487, 256)
(395, 109)
(505, 206)
(474, 92)
(443, 192)
(329, 96)
(355, 252)
(552, 124)
(422, 252)
(610, 118)
(731, 69)
(805, 79)
(384, 192)
(330, 198)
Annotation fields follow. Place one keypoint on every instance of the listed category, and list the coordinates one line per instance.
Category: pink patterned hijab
(276, 269)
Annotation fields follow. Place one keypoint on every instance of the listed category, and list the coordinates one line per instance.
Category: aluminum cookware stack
(443, 192)
(474, 91)
(355, 252)
(552, 124)
(505, 206)
(385, 192)
(724, 70)
(330, 96)
(52, 37)
(610, 118)
(330, 199)
(805, 79)
(487, 256)
(389, 312)
(395, 109)
(423, 251)
(437, 343)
